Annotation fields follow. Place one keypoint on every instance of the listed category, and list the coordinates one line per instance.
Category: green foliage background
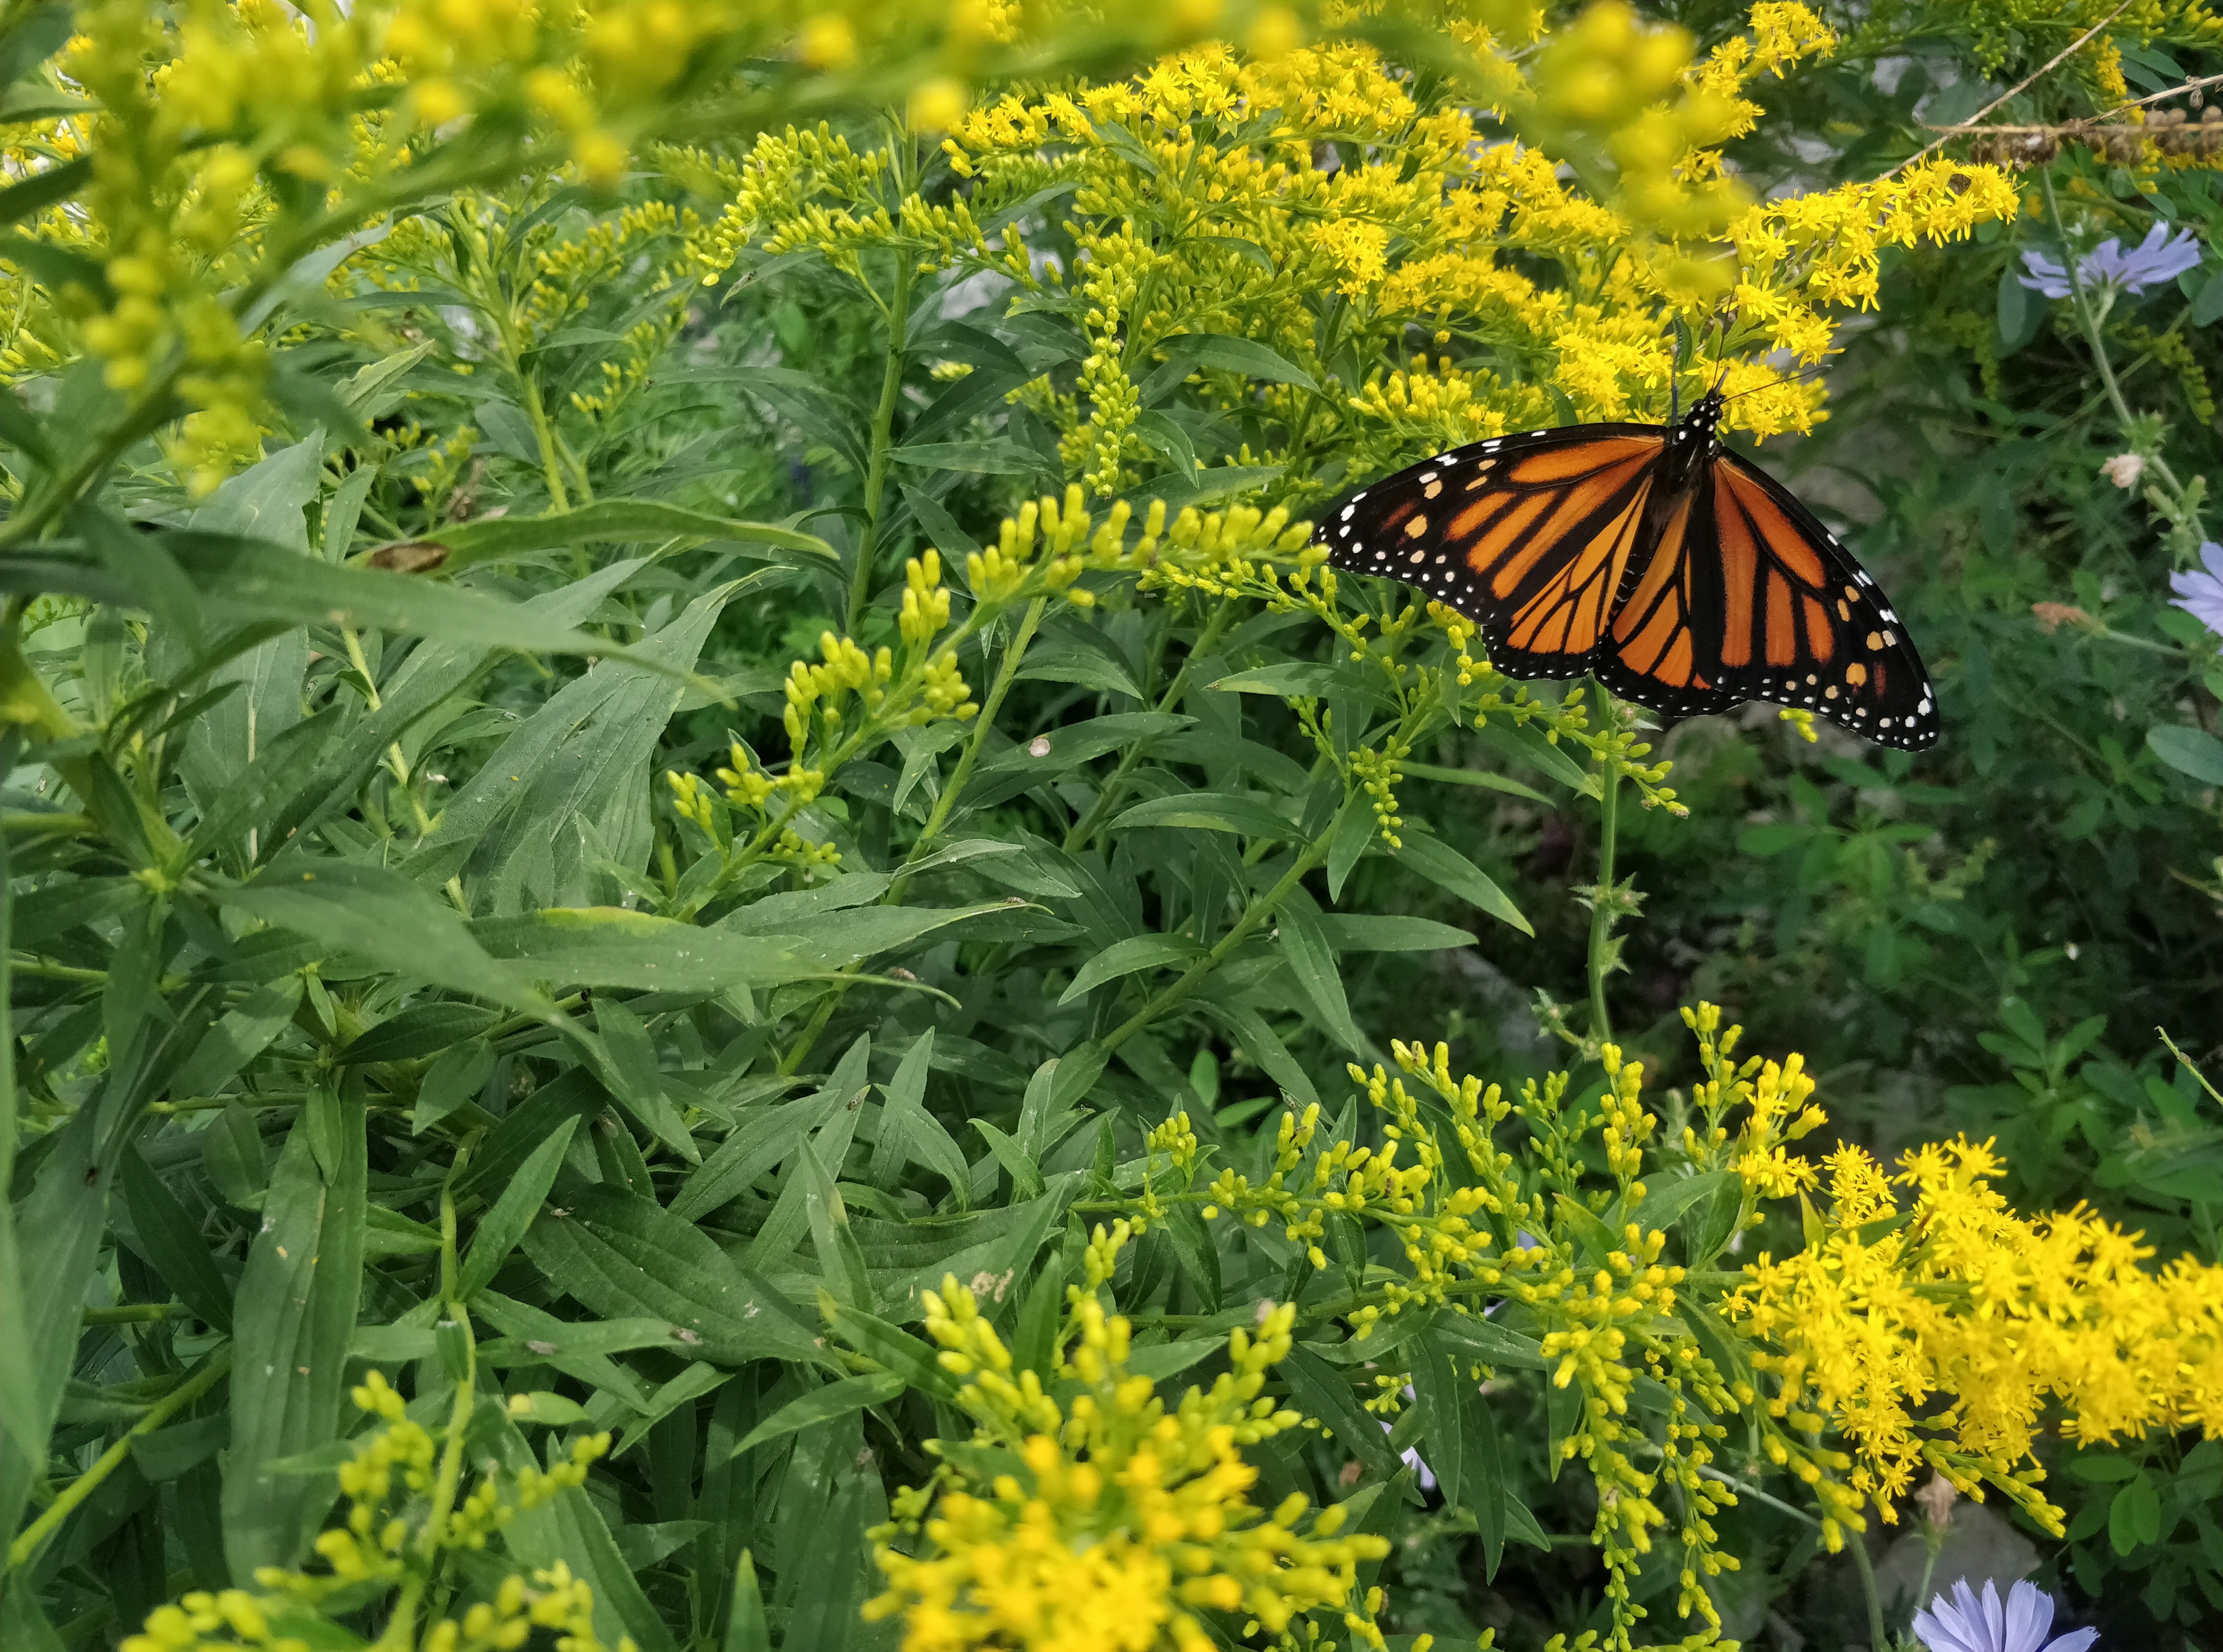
(297, 1054)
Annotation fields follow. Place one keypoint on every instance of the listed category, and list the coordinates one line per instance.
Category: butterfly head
(1697, 427)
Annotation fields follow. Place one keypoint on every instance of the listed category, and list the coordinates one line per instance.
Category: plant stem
(1260, 909)
(1115, 787)
(211, 1372)
(884, 417)
(1601, 906)
(1879, 1636)
(1006, 673)
(2090, 324)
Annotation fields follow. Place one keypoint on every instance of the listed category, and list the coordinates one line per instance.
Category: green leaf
(294, 1315)
(746, 1629)
(2021, 311)
(1305, 948)
(1137, 952)
(1445, 868)
(2207, 304)
(910, 1133)
(1442, 1391)
(1495, 1344)
(1209, 811)
(841, 1264)
(1527, 746)
(243, 1033)
(904, 1354)
(768, 1136)
(1487, 1492)
(175, 1247)
(1199, 1257)
(1664, 1201)
(610, 946)
(2189, 751)
(43, 189)
(454, 1081)
(839, 1399)
(993, 456)
(1298, 679)
(504, 1225)
(568, 1527)
(1321, 1391)
(1187, 352)
(254, 579)
(1386, 932)
(52, 1239)
(620, 1253)
(382, 917)
(420, 1030)
(631, 520)
(943, 531)
(828, 1577)
(1486, 778)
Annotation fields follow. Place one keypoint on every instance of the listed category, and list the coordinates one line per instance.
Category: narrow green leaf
(746, 1629)
(1211, 811)
(633, 520)
(1445, 868)
(568, 1527)
(610, 946)
(2189, 751)
(841, 1264)
(1127, 957)
(294, 1314)
(504, 1225)
(419, 1030)
(1319, 1391)
(1664, 1201)
(1390, 932)
(1528, 746)
(620, 1253)
(55, 1235)
(837, 1399)
(380, 915)
(1305, 948)
(173, 1242)
(1437, 1385)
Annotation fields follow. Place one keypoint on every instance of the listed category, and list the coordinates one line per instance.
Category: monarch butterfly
(1652, 558)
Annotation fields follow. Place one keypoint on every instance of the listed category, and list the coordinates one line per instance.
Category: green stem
(1006, 673)
(1879, 1636)
(87, 1484)
(1260, 909)
(135, 1313)
(1115, 788)
(884, 418)
(2090, 324)
(1602, 904)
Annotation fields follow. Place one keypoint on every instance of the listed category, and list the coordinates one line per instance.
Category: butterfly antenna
(1793, 378)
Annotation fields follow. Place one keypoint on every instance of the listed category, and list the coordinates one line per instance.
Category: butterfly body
(1649, 557)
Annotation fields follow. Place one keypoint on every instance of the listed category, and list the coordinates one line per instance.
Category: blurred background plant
(671, 758)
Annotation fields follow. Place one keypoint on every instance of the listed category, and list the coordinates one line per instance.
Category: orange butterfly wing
(1578, 550)
(1779, 611)
(1531, 536)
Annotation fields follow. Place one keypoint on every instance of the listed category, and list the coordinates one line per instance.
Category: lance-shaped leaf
(294, 1314)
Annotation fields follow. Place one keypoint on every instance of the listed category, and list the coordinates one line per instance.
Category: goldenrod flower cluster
(383, 1541)
(1938, 1329)
(1110, 1521)
(1218, 193)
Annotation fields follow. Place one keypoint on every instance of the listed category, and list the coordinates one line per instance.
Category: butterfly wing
(1529, 536)
(1773, 608)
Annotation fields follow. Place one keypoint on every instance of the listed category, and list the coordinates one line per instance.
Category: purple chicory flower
(2160, 257)
(1965, 1624)
(2202, 595)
